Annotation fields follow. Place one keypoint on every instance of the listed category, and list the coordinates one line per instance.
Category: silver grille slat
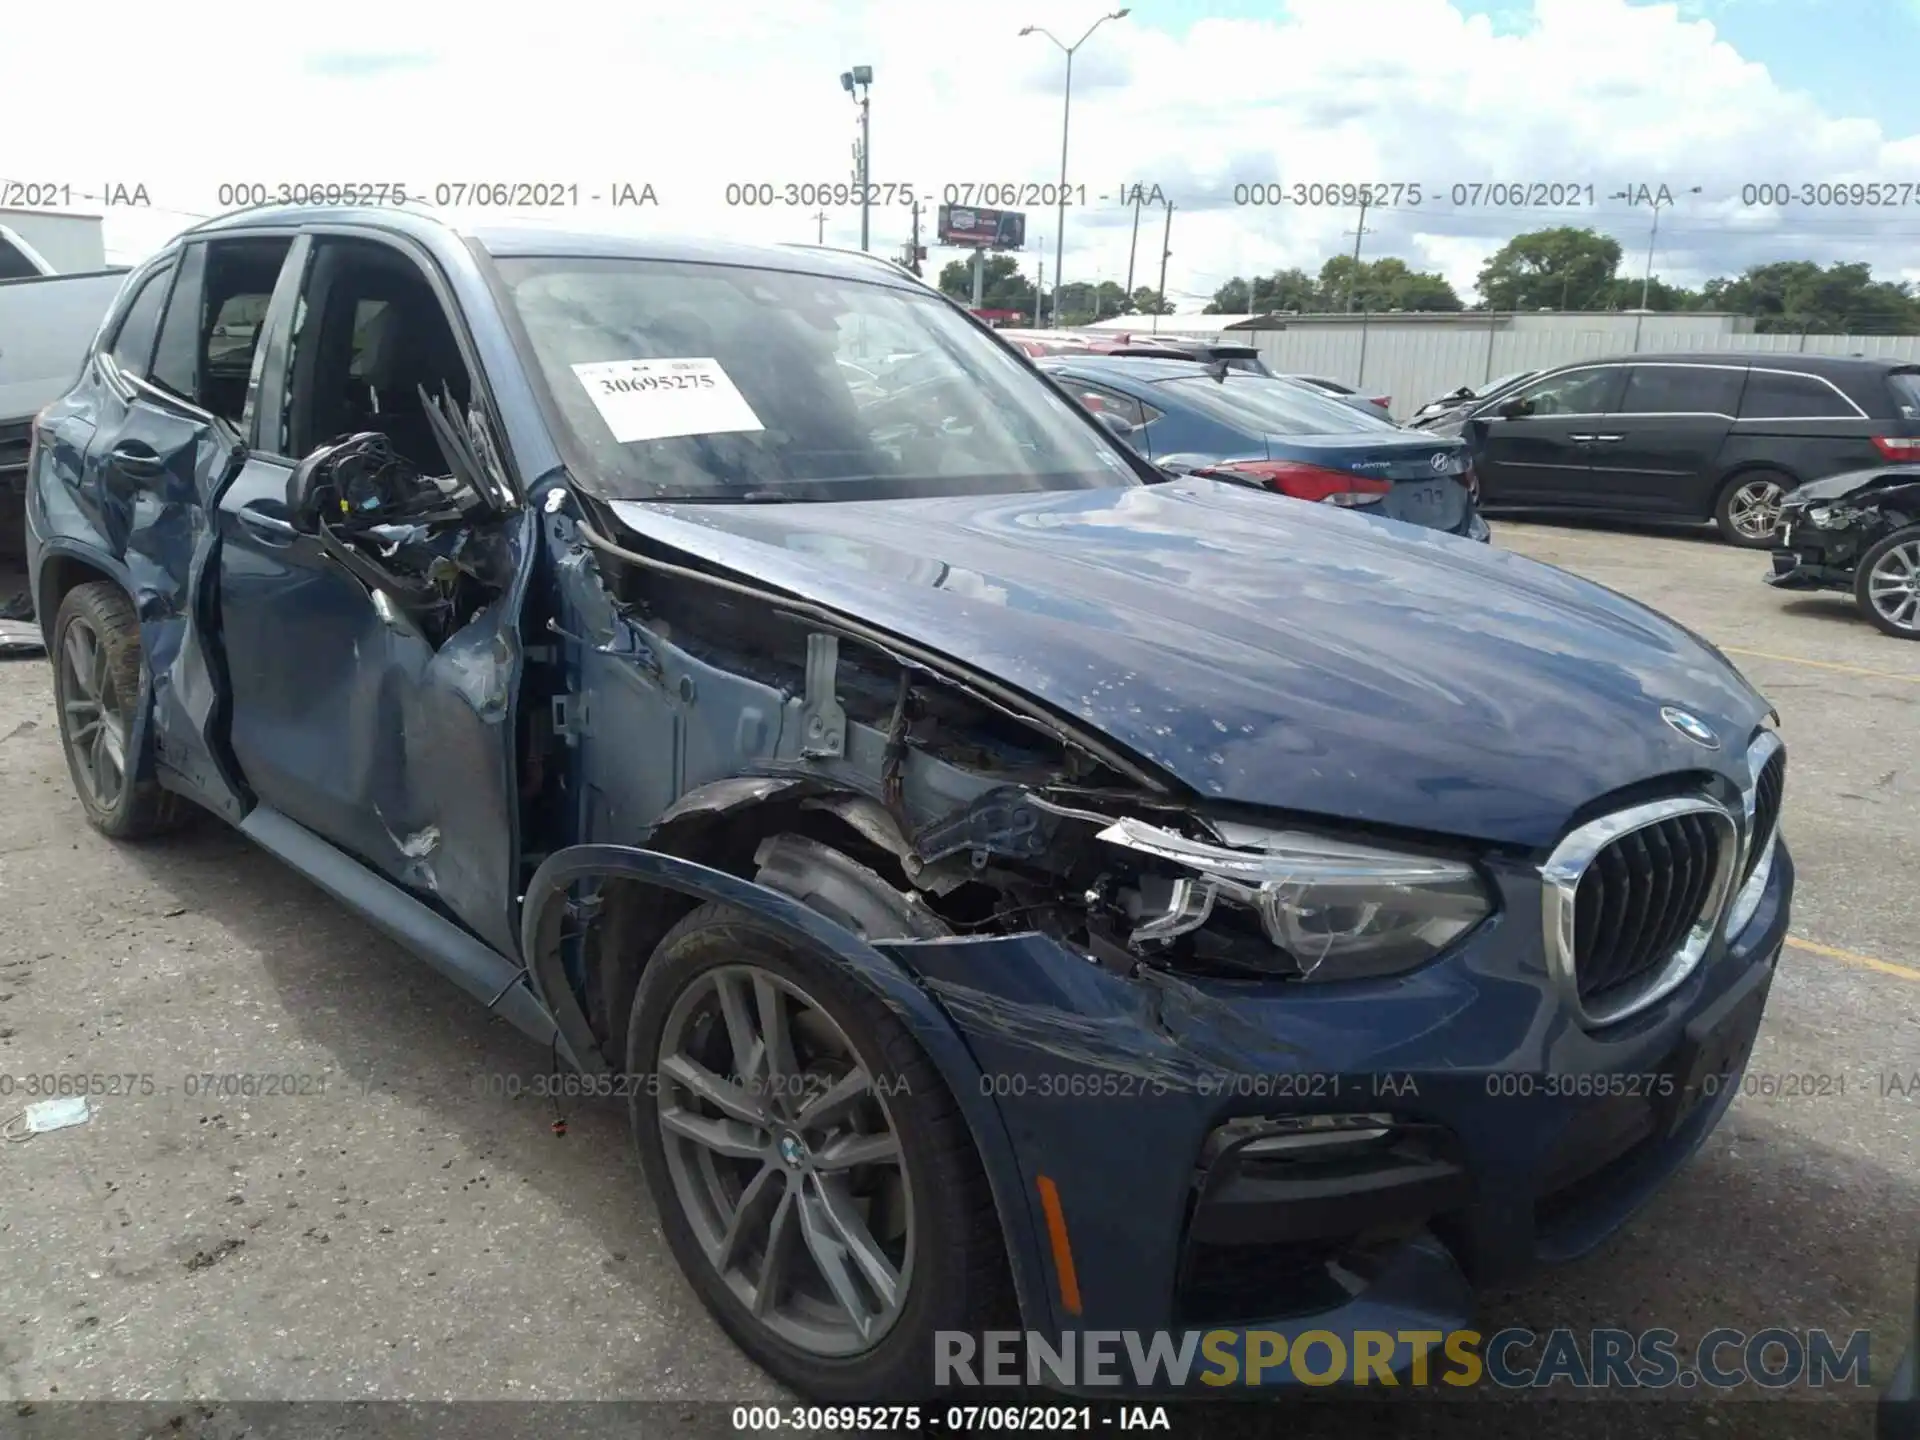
(1631, 902)
(1623, 926)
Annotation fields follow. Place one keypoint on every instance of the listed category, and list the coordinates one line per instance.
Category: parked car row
(1261, 430)
(748, 677)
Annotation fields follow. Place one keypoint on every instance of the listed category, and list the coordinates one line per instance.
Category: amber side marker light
(1057, 1238)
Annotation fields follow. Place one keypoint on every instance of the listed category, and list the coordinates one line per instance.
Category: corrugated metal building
(1416, 356)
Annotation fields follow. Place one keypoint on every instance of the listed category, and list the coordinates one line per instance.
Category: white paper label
(661, 399)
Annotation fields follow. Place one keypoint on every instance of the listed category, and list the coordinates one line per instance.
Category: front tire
(99, 683)
(813, 1176)
(1886, 583)
(1748, 509)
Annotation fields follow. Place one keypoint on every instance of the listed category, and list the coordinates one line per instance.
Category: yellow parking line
(1885, 967)
(1821, 664)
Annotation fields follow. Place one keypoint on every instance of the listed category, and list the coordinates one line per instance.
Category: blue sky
(1838, 51)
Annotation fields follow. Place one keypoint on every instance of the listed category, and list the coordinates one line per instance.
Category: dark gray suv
(1720, 437)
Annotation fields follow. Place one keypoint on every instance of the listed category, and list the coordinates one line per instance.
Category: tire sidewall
(1723, 505)
(901, 1365)
(77, 605)
(1906, 535)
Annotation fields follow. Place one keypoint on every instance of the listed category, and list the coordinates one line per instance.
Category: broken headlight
(1322, 909)
(1832, 517)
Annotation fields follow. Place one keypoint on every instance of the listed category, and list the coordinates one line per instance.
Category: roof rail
(409, 203)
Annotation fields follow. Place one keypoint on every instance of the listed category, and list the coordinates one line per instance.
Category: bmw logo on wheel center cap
(1691, 726)
(793, 1151)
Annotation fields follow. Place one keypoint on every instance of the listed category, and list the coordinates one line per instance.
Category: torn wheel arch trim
(543, 910)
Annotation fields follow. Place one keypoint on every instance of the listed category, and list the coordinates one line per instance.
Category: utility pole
(979, 275)
(1359, 232)
(1039, 289)
(1134, 244)
(913, 252)
(820, 232)
(1166, 249)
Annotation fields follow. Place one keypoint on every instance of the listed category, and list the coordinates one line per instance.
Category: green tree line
(1566, 268)
(1003, 287)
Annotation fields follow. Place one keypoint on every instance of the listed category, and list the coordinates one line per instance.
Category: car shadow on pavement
(1821, 1238)
(1836, 607)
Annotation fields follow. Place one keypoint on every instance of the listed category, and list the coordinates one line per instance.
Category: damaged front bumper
(1202, 1155)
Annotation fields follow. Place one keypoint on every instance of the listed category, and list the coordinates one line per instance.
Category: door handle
(1583, 437)
(130, 457)
(268, 527)
(1605, 439)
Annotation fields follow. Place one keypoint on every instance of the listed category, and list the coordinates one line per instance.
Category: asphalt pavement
(393, 1224)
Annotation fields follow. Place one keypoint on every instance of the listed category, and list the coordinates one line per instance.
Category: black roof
(1835, 365)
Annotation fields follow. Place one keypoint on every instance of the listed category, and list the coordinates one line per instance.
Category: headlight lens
(1832, 517)
(1330, 910)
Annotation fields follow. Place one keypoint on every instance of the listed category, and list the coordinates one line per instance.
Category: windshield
(680, 381)
(1276, 407)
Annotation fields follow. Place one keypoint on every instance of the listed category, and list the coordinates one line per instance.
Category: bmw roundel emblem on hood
(1691, 726)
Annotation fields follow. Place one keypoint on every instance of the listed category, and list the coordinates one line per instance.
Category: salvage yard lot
(403, 1227)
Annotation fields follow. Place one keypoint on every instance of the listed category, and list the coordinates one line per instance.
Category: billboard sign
(988, 229)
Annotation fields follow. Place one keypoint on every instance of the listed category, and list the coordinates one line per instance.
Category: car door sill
(471, 964)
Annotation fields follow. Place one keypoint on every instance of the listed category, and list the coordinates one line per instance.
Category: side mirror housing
(304, 489)
(1118, 424)
(1513, 408)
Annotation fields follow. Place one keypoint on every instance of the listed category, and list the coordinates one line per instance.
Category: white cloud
(689, 97)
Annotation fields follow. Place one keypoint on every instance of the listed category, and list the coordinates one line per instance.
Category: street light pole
(861, 76)
(1066, 119)
(1646, 279)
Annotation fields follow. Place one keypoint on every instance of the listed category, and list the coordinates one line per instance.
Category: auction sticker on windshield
(664, 399)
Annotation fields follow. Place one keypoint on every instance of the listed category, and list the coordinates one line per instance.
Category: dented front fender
(544, 911)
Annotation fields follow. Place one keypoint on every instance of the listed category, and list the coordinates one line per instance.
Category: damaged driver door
(370, 590)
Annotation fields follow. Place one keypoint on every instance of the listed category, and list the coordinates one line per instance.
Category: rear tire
(99, 684)
(1748, 509)
(1886, 583)
(702, 995)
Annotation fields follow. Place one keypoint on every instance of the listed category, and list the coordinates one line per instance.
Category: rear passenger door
(167, 440)
(1656, 452)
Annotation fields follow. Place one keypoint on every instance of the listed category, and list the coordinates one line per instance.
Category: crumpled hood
(1838, 487)
(1268, 651)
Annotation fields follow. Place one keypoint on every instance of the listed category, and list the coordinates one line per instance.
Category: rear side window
(132, 347)
(1777, 395)
(1681, 390)
(1098, 399)
(1905, 385)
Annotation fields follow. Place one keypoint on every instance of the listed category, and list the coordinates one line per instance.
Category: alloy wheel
(1754, 509)
(785, 1160)
(1893, 586)
(94, 715)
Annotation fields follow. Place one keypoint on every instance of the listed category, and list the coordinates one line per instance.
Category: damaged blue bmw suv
(1013, 891)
